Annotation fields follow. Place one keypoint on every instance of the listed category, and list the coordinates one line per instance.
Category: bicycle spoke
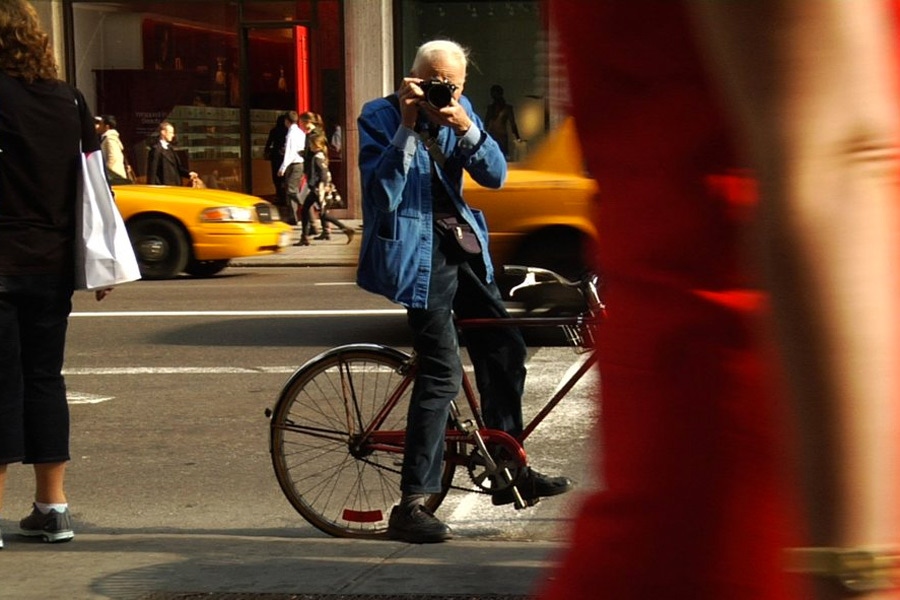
(340, 480)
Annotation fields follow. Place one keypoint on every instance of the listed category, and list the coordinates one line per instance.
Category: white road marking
(465, 507)
(176, 370)
(85, 398)
(268, 369)
(243, 313)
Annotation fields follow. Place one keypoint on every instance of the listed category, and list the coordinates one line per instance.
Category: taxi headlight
(228, 214)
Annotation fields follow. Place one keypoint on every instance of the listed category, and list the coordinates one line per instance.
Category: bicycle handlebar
(524, 271)
(588, 285)
(538, 271)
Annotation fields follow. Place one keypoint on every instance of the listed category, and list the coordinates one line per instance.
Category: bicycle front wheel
(324, 439)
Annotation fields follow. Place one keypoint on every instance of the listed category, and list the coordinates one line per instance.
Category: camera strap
(431, 144)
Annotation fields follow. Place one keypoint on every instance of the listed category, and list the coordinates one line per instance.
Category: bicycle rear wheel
(331, 474)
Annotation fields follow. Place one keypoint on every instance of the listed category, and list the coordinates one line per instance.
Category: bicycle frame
(337, 432)
(569, 381)
(372, 438)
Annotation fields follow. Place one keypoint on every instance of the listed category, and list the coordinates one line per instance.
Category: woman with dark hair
(321, 187)
(312, 124)
(44, 126)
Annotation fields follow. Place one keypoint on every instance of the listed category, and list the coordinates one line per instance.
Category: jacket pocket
(480, 221)
(386, 226)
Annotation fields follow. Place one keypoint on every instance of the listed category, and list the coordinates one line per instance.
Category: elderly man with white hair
(414, 146)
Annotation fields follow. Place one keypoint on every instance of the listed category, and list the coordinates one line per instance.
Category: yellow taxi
(542, 216)
(197, 231)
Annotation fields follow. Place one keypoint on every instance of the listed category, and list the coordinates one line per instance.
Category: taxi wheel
(161, 248)
(205, 268)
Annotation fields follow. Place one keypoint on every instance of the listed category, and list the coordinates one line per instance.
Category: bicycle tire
(341, 492)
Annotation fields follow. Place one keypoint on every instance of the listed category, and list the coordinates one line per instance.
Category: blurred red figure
(699, 499)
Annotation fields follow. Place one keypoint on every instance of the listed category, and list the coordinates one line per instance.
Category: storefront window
(220, 71)
(507, 42)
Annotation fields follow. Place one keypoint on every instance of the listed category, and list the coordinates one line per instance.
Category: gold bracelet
(857, 570)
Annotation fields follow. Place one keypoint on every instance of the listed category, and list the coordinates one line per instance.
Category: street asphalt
(245, 566)
(320, 253)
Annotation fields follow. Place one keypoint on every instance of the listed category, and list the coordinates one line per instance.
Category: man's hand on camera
(453, 116)
(413, 103)
(410, 95)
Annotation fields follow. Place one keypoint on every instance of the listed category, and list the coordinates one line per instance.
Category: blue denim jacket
(395, 169)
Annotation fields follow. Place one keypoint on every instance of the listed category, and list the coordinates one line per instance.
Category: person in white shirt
(112, 148)
(292, 165)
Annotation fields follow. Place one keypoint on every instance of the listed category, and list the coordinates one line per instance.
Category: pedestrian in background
(322, 187)
(500, 120)
(311, 123)
(113, 150)
(273, 152)
(163, 164)
(702, 496)
(291, 168)
(44, 123)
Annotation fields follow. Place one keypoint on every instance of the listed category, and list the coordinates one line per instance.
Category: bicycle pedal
(527, 503)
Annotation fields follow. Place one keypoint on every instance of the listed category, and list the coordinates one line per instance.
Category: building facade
(223, 71)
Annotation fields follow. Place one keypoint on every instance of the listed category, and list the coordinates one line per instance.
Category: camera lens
(439, 95)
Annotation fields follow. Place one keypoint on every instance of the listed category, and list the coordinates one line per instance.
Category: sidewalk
(333, 253)
(194, 566)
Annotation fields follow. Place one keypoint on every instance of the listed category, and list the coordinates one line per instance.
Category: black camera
(438, 93)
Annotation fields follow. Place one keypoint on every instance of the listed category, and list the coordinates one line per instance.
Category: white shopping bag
(103, 253)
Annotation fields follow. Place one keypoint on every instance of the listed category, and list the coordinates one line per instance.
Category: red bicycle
(338, 428)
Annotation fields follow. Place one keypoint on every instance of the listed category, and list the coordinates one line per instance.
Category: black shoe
(416, 525)
(532, 485)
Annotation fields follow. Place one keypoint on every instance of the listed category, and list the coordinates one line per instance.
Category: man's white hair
(430, 51)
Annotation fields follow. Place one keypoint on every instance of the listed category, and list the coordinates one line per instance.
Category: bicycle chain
(452, 486)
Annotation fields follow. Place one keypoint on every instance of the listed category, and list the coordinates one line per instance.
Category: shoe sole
(50, 538)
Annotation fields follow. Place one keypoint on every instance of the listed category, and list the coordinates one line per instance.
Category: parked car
(197, 231)
(542, 216)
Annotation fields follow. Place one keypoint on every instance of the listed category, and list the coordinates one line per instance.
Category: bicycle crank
(490, 478)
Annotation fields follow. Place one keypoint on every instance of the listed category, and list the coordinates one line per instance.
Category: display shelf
(209, 132)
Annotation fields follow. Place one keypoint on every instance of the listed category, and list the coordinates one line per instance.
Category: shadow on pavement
(291, 332)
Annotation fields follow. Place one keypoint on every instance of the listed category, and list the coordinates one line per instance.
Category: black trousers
(34, 415)
(497, 355)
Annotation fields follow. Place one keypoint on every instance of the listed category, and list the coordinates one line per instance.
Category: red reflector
(363, 516)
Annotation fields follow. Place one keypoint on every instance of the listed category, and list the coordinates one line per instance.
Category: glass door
(275, 80)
